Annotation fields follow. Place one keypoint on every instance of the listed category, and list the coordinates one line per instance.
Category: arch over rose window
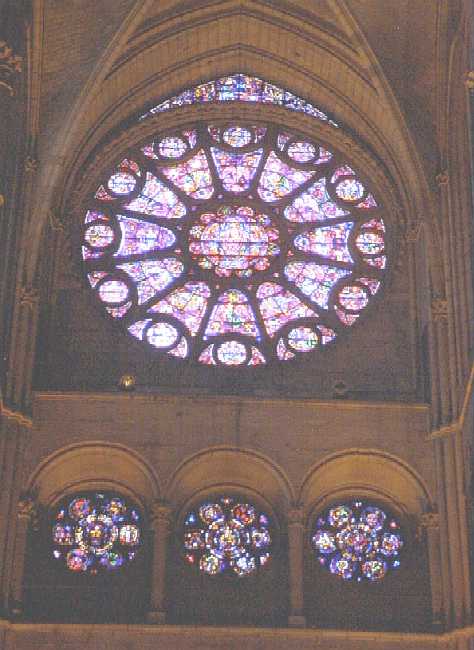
(234, 243)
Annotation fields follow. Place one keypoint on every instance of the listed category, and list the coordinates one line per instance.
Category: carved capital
(442, 178)
(10, 67)
(31, 164)
(295, 517)
(413, 232)
(29, 297)
(161, 516)
(55, 222)
(469, 80)
(26, 508)
(429, 520)
(439, 309)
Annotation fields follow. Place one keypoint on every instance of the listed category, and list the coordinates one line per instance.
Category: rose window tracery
(234, 244)
(227, 536)
(357, 541)
(95, 533)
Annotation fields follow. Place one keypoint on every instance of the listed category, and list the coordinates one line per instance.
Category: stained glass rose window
(234, 243)
(357, 541)
(96, 532)
(227, 536)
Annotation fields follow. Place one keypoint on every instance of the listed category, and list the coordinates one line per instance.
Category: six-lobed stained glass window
(227, 536)
(357, 541)
(96, 532)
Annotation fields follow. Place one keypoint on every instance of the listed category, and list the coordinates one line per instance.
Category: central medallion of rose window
(234, 241)
(234, 244)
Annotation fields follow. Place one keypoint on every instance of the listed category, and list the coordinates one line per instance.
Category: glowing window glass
(227, 536)
(96, 532)
(357, 541)
(233, 243)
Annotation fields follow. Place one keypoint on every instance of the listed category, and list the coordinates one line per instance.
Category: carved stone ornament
(442, 178)
(295, 517)
(161, 516)
(55, 222)
(469, 80)
(429, 520)
(413, 232)
(439, 309)
(31, 164)
(10, 65)
(26, 507)
(29, 297)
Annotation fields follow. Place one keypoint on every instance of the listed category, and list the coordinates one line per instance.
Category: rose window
(96, 533)
(233, 244)
(357, 541)
(227, 536)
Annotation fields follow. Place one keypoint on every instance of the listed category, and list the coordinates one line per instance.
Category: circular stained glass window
(227, 536)
(357, 541)
(96, 532)
(234, 244)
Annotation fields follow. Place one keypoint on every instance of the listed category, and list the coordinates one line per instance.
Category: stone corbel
(10, 66)
(469, 80)
(439, 309)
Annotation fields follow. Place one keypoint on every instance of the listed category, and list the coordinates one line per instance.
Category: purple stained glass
(234, 230)
(232, 314)
(314, 205)
(315, 280)
(227, 536)
(279, 179)
(172, 147)
(302, 151)
(187, 304)
(279, 306)
(96, 532)
(234, 241)
(162, 335)
(192, 177)
(232, 353)
(236, 171)
(157, 200)
(140, 237)
(327, 241)
(237, 136)
(357, 541)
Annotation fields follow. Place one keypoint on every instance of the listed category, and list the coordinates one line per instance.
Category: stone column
(160, 524)
(429, 523)
(296, 617)
(26, 514)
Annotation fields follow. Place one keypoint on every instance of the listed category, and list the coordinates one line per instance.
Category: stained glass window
(234, 244)
(227, 536)
(95, 532)
(357, 541)
(243, 88)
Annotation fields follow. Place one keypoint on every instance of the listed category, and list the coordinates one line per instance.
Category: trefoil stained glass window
(234, 244)
(357, 541)
(227, 536)
(94, 533)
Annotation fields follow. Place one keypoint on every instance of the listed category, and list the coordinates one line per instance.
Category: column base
(296, 621)
(156, 618)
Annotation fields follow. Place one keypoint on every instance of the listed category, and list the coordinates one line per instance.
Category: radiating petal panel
(157, 200)
(187, 304)
(279, 179)
(192, 177)
(315, 280)
(236, 171)
(142, 237)
(153, 276)
(279, 306)
(314, 205)
(232, 314)
(327, 241)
